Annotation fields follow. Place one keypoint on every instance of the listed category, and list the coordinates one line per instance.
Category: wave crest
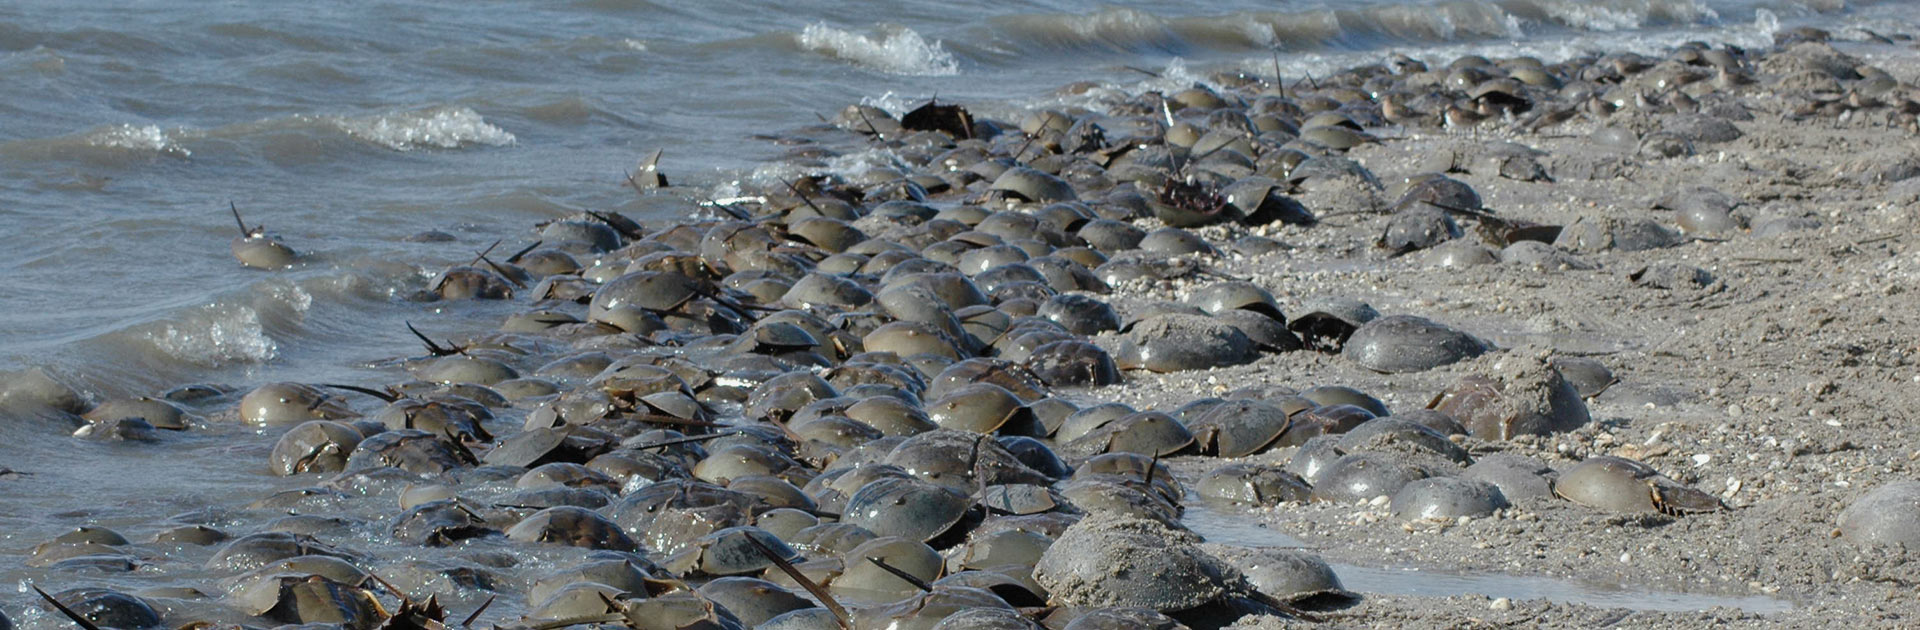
(216, 336)
(894, 50)
(436, 128)
(138, 138)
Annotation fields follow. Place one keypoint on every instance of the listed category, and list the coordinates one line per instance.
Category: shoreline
(1738, 380)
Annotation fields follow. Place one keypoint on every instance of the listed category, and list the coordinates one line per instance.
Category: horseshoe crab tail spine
(244, 232)
(384, 396)
(899, 573)
(515, 258)
(813, 588)
(685, 440)
(468, 622)
(483, 253)
(1030, 138)
(432, 348)
(870, 128)
(801, 195)
(1277, 79)
(727, 208)
(1146, 478)
(503, 272)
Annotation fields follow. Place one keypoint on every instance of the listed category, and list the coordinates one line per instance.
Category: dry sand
(1786, 384)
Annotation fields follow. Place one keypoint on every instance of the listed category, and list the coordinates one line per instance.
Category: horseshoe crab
(1289, 575)
(906, 507)
(290, 403)
(1080, 314)
(1446, 498)
(573, 526)
(1403, 436)
(107, 608)
(1328, 322)
(1890, 514)
(960, 460)
(926, 610)
(1220, 297)
(1033, 185)
(1524, 396)
(1149, 433)
(439, 524)
(1517, 476)
(1589, 378)
(1073, 363)
(256, 249)
(160, 413)
(1130, 562)
(1252, 484)
(1173, 343)
(314, 446)
(1123, 619)
(728, 552)
(1619, 484)
(456, 418)
(410, 450)
(869, 572)
(253, 551)
(975, 407)
(1237, 428)
(753, 600)
(1363, 476)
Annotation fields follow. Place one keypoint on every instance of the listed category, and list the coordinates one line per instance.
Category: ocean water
(128, 126)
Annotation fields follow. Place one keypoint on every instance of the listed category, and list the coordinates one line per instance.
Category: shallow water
(127, 128)
(1229, 529)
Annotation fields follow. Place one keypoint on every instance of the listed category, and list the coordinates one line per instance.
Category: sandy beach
(1738, 254)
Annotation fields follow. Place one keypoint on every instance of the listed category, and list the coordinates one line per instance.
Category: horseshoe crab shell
(1890, 514)
(1405, 343)
(1237, 428)
(1619, 484)
(1446, 498)
(1252, 484)
(1130, 562)
(862, 578)
(1328, 322)
(289, 403)
(161, 414)
(1173, 342)
(1288, 575)
(753, 600)
(1529, 398)
(1034, 185)
(316, 446)
(906, 507)
(728, 552)
(575, 526)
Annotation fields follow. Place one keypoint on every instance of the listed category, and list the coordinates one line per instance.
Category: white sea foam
(217, 335)
(1619, 15)
(138, 138)
(892, 49)
(895, 104)
(434, 128)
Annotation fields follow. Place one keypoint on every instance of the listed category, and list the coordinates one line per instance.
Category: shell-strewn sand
(1786, 384)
